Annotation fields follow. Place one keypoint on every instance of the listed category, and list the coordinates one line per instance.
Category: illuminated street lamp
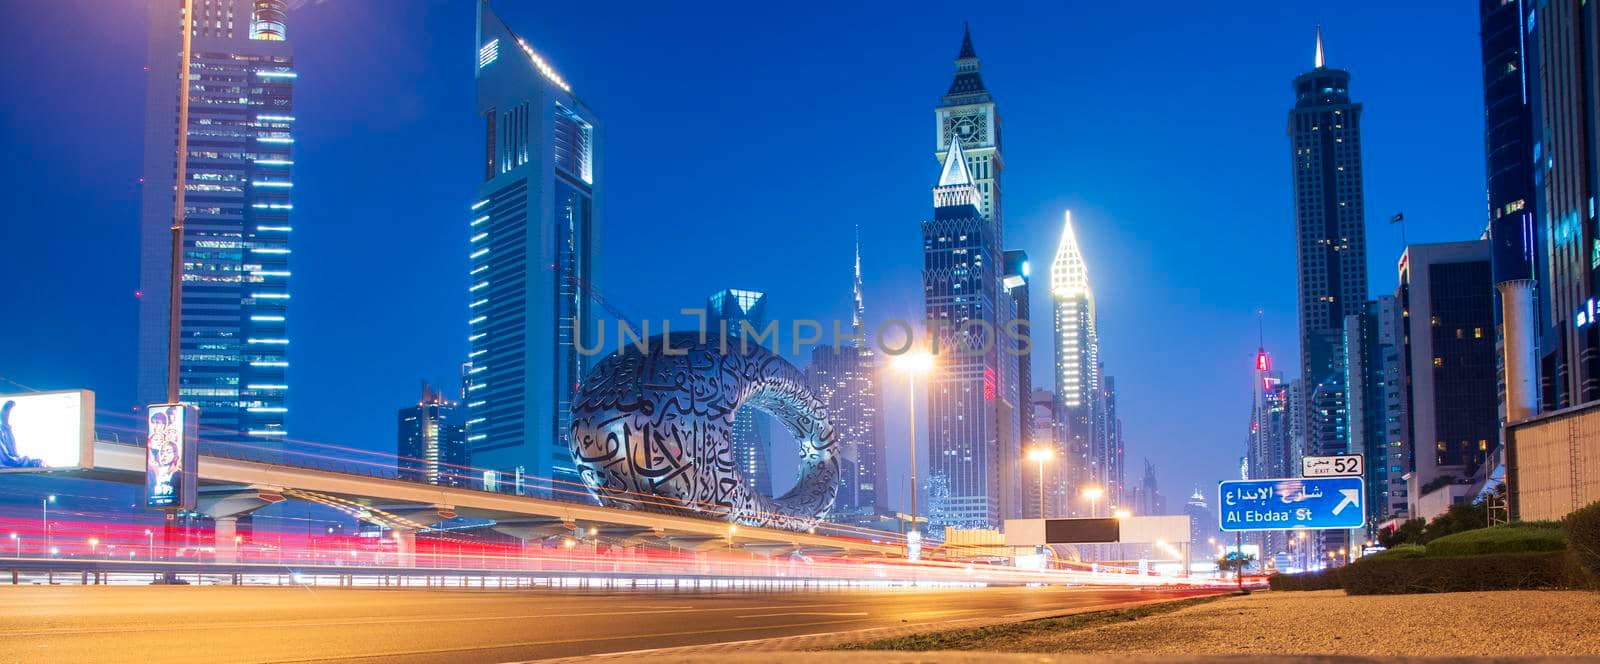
(94, 544)
(911, 363)
(1039, 455)
(152, 546)
(17, 541)
(44, 506)
(1094, 493)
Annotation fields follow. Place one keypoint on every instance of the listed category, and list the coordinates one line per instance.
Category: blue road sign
(1312, 503)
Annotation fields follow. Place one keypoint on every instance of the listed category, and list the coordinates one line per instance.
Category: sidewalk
(1327, 626)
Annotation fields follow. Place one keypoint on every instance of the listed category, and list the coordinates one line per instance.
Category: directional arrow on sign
(1351, 497)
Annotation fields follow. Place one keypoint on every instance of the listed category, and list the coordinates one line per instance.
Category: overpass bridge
(233, 487)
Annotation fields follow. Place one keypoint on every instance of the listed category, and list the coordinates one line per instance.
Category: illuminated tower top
(1069, 275)
(858, 312)
(955, 180)
(967, 114)
(1319, 47)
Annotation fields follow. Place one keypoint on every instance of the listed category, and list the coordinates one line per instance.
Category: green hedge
(1499, 571)
(1328, 579)
(1404, 551)
(1583, 536)
(1508, 538)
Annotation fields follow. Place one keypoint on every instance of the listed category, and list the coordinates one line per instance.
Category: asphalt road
(214, 625)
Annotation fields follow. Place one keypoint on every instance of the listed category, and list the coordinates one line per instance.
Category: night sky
(744, 142)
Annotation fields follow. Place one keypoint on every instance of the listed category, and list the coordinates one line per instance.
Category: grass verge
(1012, 637)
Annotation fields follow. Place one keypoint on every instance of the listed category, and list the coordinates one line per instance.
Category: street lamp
(1094, 493)
(1039, 455)
(911, 363)
(94, 543)
(152, 545)
(17, 541)
(44, 506)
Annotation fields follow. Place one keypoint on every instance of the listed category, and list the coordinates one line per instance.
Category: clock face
(971, 129)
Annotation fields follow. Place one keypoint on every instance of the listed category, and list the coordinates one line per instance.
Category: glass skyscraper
(233, 353)
(431, 444)
(1330, 232)
(752, 430)
(1077, 380)
(846, 380)
(532, 248)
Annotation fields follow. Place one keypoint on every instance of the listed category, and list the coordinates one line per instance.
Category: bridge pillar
(405, 546)
(227, 541)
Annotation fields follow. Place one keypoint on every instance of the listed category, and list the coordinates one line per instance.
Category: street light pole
(44, 506)
(912, 363)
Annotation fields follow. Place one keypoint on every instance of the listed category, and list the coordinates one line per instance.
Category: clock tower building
(967, 113)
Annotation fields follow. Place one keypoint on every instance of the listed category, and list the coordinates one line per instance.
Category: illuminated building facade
(1563, 40)
(846, 380)
(1270, 445)
(1077, 380)
(752, 431)
(432, 445)
(533, 230)
(1447, 299)
(974, 414)
(1508, 156)
(1372, 346)
(233, 355)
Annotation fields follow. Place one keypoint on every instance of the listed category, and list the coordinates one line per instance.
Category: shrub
(1404, 551)
(1508, 538)
(1328, 579)
(1499, 571)
(1583, 535)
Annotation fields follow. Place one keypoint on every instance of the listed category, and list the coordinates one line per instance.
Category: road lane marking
(805, 613)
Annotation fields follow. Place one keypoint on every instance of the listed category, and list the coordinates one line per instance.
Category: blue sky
(744, 142)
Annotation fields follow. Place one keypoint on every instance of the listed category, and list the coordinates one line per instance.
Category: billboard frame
(85, 430)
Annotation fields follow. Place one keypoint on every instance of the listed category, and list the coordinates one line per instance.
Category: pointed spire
(967, 52)
(1069, 275)
(1319, 46)
(955, 166)
(858, 318)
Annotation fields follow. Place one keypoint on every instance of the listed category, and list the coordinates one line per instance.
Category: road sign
(1340, 465)
(1311, 503)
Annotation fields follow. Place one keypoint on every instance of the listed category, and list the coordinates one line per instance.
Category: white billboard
(46, 430)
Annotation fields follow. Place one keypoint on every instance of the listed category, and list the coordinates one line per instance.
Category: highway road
(216, 625)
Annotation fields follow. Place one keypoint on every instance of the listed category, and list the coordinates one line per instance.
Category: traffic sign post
(1325, 503)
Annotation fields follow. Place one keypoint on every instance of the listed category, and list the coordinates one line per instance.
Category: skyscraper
(1325, 156)
(533, 255)
(1202, 526)
(1447, 298)
(432, 445)
(1270, 443)
(961, 290)
(1077, 360)
(1372, 363)
(1508, 155)
(1563, 38)
(236, 203)
(752, 434)
(1016, 379)
(973, 396)
(846, 380)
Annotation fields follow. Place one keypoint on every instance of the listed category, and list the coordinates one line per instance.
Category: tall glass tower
(1325, 160)
(1077, 380)
(752, 430)
(532, 248)
(846, 380)
(233, 353)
